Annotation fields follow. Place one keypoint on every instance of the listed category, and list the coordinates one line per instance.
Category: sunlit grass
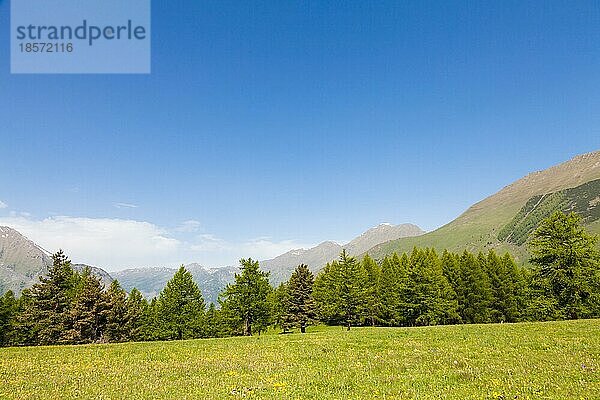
(525, 361)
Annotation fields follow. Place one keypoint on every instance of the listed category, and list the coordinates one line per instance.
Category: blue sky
(266, 126)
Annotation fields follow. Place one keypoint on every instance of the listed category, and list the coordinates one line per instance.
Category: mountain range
(501, 222)
(150, 281)
(22, 261)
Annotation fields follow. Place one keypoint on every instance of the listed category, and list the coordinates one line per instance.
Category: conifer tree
(506, 286)
(214, 323)
(432, 299)
(279, 303)
(88, 311)
(152, 327)
(372, 274)
(180, 308)
(475, 291)
(245, 302)
(45, 317)
(452, 272)
(567, 264)
(325, 293)
(136, 310)
(300, 302)
(117, 323)
(8, 309)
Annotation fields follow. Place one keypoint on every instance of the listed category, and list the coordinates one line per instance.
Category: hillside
(503, 220)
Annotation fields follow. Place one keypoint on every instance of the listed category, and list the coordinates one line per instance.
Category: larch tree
(245, 302)
(567, 264)
(180, 308)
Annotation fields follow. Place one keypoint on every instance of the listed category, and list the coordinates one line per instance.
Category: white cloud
(189, 226)
(115, 244)
(108, 243)
(125, 205)
(265, 248)
(3, 205)
(259, 249)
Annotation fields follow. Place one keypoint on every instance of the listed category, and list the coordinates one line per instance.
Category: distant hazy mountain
(281, 267)
(150, 281)
(504, 220)
(22, 262)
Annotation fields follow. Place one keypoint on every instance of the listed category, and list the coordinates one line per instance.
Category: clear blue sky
(297, 122)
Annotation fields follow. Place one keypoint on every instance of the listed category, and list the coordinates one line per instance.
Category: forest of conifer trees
(413, 289)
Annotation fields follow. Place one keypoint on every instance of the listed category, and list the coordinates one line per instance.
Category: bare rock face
(21, 260)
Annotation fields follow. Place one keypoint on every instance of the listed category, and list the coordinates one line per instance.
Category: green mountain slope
(504, 220)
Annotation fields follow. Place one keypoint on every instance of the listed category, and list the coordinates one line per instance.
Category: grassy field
(558, 360)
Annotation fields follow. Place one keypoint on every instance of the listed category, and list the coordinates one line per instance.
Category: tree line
(412, 289)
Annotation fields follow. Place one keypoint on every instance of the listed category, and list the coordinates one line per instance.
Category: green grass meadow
(554, 360)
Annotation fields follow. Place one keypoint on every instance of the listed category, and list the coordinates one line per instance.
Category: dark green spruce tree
(88, 311)
(46, 315)
(300, 302)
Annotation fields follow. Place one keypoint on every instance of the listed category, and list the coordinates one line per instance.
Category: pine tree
(245, 302)
(452, 272)
(88, 311)
(567, 264)
(117, 315)
(516, 311)
(300, 302)
(180, 308)
(45, 317)
(152, 327)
